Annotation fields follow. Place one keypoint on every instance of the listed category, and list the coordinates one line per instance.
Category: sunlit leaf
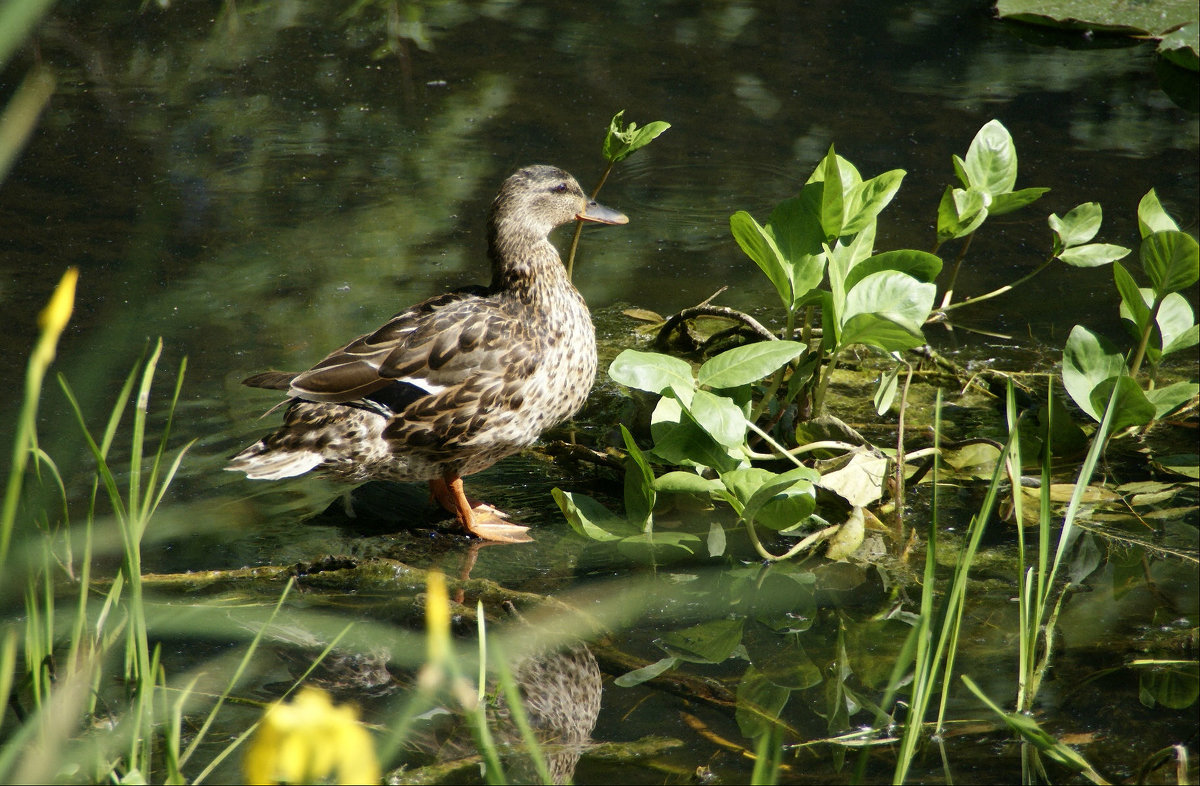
(886, 387)
(960, 213)
(639, 483)
(759, 245)
(833, 207)
(716, 539)
(920, 265)
(1093, 254)
(621, 141)
(1131, 407)
(720, 417)
(991, 162)
(680, 482)
(795, 226)
(1171, 260)
(747, 364)
(1014, 200)
(653, 372)
(887, 309)
(859, 480)
(848, 537)
(1152, 217)
(589, 518)
(1169, 398)
(1135, 302)
(869, 198)
(1088, 360)
(1078, 226)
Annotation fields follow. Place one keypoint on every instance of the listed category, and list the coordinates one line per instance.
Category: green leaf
(1130, 406)
(833, 207)
(645, 673)
(1134, 305)
(1182, 46)
(1171, 260)
(960, 213)
(1176, 323)
(720, 417)
(887, 309)
(589, 518)
(1166, 400)
(1078, 226)
(716, 539)
(748, 364)
(991, 162)
(783, 500)
(759, 702)
(1014, 200)
(707, 642)
(759, 245)
(679, 439)
(921, 265)
(680, 482)
(1152, 217)
(885, 390)
(1093, 254)
(656, 546)
(1088, 360)
(639, 483)
(869, 198)
(620, 141)
(653, 372)
(795, 226)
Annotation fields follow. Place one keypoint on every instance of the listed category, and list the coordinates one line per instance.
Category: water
(257, 188)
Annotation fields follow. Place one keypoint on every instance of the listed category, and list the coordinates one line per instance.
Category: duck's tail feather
(262, 463)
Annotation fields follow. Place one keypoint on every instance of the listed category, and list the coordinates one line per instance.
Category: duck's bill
(601, 215)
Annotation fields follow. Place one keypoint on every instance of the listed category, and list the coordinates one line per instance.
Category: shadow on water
(259, 187)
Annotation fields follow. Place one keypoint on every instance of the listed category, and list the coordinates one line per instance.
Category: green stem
(962, 253)
(1001, 290)
(1135, 365)
(579, 224)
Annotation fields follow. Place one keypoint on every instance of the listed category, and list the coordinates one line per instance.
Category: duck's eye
(561, 188)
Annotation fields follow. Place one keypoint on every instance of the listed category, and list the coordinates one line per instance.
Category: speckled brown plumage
(459, 381)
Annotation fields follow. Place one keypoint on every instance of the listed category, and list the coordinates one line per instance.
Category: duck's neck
(525, 264)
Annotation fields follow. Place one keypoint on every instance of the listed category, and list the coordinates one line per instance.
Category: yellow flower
(310, 740)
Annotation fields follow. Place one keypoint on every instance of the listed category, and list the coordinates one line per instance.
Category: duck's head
(536, 199)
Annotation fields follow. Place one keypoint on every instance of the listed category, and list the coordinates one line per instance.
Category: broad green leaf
(795, 226)
(1173, 685)
(638, 676)
(833, 196)
(720, 417)
(1171, 397)
(716, 539)
(1130, 405)
(653, 546)
(759, 702)
(679, 439)
(747, 364)
(843, 257)
(639, 483)
(960, 213)
(1093, 254)
(885, 390)
(869, 198)
(620, 141)
(589, 518)
(759, 245)
(1176, 323)
(887, 297)
(960, 171)
(1088, 360)
(1078, 226)
(653, 372)
(921, 265)
(1014, 200)
(742, 483)
(680, 482)
(1171, 260)
(707, 642)
(1152, 217)
(783, 500)
(991, 162)
(1134, 304)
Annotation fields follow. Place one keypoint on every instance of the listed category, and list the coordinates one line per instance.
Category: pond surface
(258, 185)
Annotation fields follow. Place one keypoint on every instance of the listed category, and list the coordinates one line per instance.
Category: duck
(451, 385)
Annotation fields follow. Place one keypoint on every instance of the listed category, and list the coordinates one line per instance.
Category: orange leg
(482, 521)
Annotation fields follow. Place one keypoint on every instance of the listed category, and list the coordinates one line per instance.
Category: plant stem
(1000, 291)
(1135, 365)
(819, 398)
(579, 224)
(962, 253)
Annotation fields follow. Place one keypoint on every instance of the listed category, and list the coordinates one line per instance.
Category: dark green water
(258, 188)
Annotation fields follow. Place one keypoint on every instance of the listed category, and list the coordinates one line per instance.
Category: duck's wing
(443, 343)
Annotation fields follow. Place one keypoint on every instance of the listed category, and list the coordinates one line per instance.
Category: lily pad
(1106, 16)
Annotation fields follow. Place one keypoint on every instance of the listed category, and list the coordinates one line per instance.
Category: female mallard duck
(458, 382)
